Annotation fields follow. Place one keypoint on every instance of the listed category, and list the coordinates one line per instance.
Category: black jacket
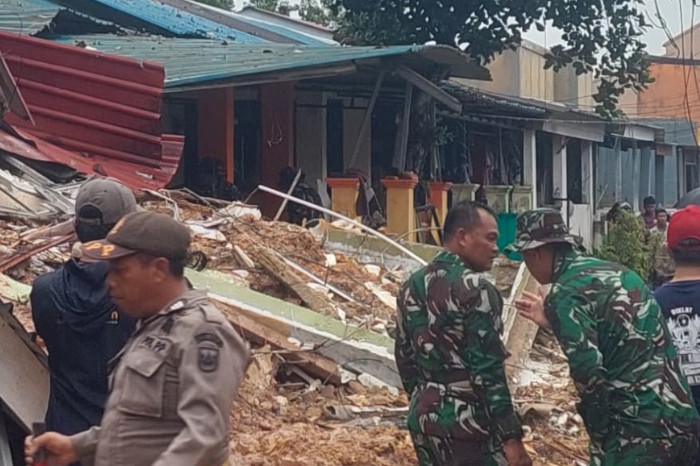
(83, 330)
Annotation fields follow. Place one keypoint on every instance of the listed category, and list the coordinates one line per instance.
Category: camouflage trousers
(682, 450)
(445, 451)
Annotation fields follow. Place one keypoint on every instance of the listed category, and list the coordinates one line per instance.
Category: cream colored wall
(687, 42)
(504, 72)
(521, 73)
(535, 81)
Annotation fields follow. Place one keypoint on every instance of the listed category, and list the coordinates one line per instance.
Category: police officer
(635, 402)
(177, 376)
(449, 352)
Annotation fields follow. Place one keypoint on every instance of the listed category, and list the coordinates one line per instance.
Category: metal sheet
(135, 176)
(26, 16)
(189, 61)
(259, 27)
(158, 17)
(10, 95)
(102, 110)
(24, 377)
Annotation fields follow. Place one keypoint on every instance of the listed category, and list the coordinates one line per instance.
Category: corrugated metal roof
(164, 17)
(26, 16)
(272, 32)
(189, 61)
(252, 9)
(478, 101)
(92, 103)
(135, 176)
(296, 36)
(676, 130)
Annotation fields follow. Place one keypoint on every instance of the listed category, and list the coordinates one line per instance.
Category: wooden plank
(276, 266)
(318, 366)
(429, 88)
(401, 151)
(366, 121)
(24, 376)
(519, 332)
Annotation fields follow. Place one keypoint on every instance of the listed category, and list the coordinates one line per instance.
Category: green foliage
(225, 4)
(602, 37)
(627, 244)
(269, 5)
(315, 11)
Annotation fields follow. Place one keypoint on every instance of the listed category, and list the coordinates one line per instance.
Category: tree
(225, 4)
(627, 243)
(269, 5)
(316, 12)
(603, 37)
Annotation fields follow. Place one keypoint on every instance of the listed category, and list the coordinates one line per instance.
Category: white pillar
(559, 173)
(587, 170)
(530, 162)
(352, 123)
(311, 144)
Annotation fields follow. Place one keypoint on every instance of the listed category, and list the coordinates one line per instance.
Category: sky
(655, 37)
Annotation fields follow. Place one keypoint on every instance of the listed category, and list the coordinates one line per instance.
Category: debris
(269, 260)
(342, 217)
(326, 376)
(243, 258)
(256, 332)
(240, 210)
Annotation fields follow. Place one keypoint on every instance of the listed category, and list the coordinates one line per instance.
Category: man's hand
(516, 454)
(59, 449)
(531, 306)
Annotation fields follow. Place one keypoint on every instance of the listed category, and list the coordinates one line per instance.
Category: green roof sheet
(192, 61)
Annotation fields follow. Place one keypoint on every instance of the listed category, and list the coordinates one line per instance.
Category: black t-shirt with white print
(680, 304)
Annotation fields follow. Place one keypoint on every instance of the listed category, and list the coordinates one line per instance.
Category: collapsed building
(316, 304)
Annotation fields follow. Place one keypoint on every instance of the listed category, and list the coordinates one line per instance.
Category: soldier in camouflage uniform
(449, 352)
(635, 403)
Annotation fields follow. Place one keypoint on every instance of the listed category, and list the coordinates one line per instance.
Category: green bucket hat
(536, 228)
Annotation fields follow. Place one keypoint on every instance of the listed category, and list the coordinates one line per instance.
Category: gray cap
(110, 198)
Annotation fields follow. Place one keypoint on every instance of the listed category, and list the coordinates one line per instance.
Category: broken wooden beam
(275, 265)
(318, 366)
(243, 258)
(519, 332)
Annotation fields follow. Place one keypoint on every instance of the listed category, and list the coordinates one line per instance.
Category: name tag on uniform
(155, 344)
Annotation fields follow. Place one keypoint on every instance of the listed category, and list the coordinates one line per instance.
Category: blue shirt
(680, 304)
(83, 330)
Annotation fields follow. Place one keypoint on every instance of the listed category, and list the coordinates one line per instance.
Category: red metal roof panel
(89, 101)
(135, 176)
(97, 113)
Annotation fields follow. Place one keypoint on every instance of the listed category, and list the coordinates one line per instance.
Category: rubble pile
(297, 406)
(222, 233)
(291, 423)
(546, 400)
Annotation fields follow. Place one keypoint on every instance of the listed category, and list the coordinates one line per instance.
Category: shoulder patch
(208, 347)
(210, 337)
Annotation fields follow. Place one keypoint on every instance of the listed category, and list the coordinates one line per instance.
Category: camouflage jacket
(450, 355)
(620, 352)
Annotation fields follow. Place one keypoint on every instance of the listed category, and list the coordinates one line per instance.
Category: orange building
(674, 94)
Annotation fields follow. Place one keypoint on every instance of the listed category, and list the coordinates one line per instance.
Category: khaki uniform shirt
(171, 392)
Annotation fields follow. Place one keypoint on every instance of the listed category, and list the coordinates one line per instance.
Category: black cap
(149, 233)
(109, 197)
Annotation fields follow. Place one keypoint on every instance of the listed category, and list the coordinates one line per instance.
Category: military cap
(536, 228)
(144, 232)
